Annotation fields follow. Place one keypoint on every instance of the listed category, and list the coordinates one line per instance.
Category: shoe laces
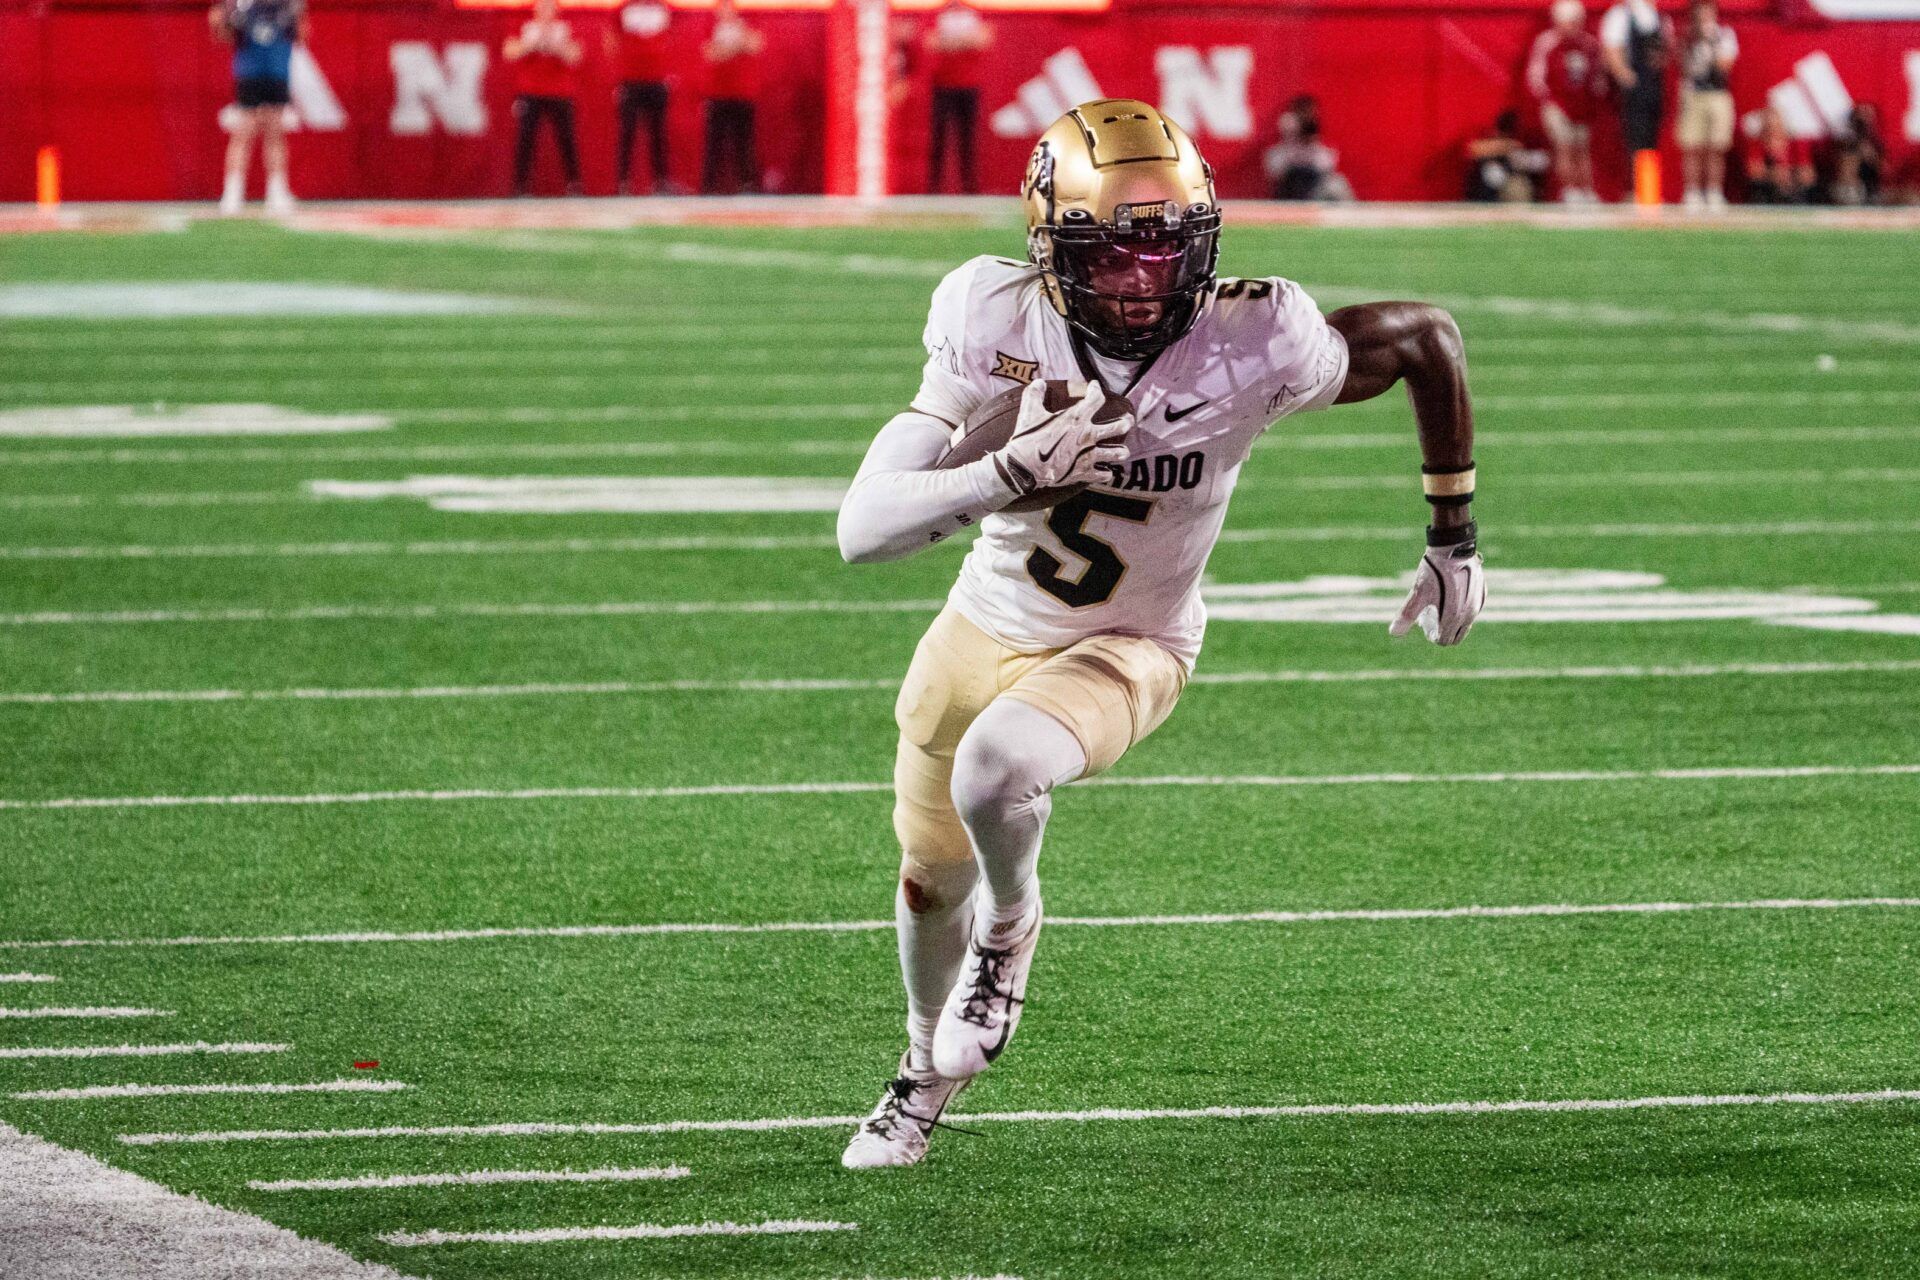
(990, 984)
(893, 1111)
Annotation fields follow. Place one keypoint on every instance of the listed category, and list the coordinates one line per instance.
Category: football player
(1072, 629)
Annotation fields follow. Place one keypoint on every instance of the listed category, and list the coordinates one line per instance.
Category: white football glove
(1449, 590)
(1055, 447)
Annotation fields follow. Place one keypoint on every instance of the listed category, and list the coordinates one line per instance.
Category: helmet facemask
(1134, 287)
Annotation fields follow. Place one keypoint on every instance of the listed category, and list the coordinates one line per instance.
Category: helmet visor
(1143, 268)
(1134, 292)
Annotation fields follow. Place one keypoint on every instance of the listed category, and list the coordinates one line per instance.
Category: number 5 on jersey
(1105, 568)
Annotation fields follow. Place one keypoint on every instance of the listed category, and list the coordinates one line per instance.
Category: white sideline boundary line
(810, 542)
(1355, 915)
(640, 1231)
(142, 1050)
(90, 1011)
(614, 688)
(195, 1090)
(1709, 773)
(477, 1177)
(1098, 1114)
(27, 977)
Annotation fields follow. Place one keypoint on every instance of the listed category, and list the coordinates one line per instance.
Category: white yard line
(66, 1216)
(430, 612)
(33, 501)
(87, 1011)
(1732, 399)
(1389, 483)
(825, 542)
(28, 977)
(658, 358)
(196, 1090)
(821, 684)
(328, 798)
(476, 1177)
(642, 1231)
(780, 1123)
(838, 380)
(866, 415)
(507, 383)
(602, 609)
(141, 1050)
(459, 794)
(448, 547)
(829, 335)
(1726, 529)
(1365, 915)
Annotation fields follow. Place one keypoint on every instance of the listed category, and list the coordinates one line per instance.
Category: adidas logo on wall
(1814, 103)
(1063, 83)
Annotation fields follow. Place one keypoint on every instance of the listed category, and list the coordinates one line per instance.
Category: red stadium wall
(130, 95)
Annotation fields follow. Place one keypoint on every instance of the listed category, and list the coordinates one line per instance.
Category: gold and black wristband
(1447, 486)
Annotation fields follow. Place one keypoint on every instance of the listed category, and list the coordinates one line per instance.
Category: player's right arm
(899, 504)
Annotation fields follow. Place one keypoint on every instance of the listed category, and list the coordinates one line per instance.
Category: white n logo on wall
(427, 87)
(1913, 95)
(1207, 94)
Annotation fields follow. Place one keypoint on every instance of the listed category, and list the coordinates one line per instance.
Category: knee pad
(1010, 759)
(991, 776)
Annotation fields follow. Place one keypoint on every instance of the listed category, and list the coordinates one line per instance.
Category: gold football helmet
(1122, 223)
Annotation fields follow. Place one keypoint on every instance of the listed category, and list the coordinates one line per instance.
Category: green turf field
(1725, 423)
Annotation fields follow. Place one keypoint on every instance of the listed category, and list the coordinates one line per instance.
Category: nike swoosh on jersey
(1174, 415)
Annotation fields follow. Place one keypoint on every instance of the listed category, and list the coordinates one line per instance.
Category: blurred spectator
(1779, 166)
(1502, 167)
(956, 42)
(637, 43)
(1636, 42)
(1300, 166)
(1568, 84)
(733, 82)
(1859, 158)
(263, 33)
(1704, 129)
(545, 56)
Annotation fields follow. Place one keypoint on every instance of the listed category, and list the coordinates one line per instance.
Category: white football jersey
(1125, 556)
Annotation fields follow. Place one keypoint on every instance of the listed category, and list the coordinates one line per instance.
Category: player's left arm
(1419, 344)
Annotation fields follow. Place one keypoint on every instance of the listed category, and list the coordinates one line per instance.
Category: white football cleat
(896, 1133)
(981, 1014)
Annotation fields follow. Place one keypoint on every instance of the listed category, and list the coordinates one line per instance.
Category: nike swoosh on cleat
(1006, 1031)
(1174, 415)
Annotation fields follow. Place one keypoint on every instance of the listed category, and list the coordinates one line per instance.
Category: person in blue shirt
(263, 34)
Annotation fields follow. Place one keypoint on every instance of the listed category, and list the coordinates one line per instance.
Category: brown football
(991, 426)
